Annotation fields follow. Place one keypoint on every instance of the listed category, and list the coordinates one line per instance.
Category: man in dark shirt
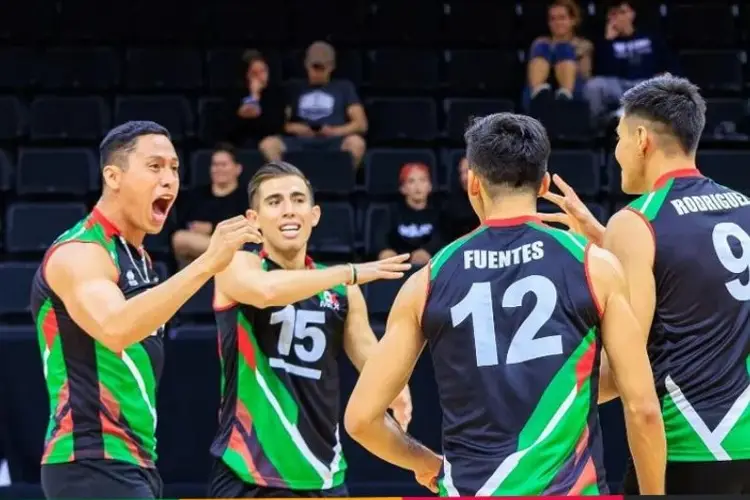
(259, 116)
(206, 206)
(457, 218)
(322, 113)
(625, 57)
(413, 223)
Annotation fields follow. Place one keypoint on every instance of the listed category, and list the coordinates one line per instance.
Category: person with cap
(413, 225)
(324, 113)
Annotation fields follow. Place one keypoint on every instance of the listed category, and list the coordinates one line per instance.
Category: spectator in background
(561, 54)
(413, 224)
(324, 113)
(625, 57)
(206, 206)
(457, 218)
(259, 119)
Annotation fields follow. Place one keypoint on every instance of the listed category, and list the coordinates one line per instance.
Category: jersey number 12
(525, 345)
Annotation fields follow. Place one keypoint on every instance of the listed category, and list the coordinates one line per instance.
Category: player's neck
(510, 206)
(664, 166)
(291, 261)
(116, 216)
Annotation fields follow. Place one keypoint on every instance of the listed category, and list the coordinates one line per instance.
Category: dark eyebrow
(272, 197)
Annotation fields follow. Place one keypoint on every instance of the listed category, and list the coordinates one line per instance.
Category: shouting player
(685, 249)
(514, 314)
(282, 321)
(100, 314)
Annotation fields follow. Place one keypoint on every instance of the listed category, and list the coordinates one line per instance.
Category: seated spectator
(625, 57)
(206, 206)
(324, 113)
(259, 117)
(413, 224)
(562, 55)
(457, 218)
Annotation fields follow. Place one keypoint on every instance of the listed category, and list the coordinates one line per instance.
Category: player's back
(512, 327)
(700, 336)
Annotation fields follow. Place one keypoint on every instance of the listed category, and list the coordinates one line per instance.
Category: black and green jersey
(512, 328)
(699, 342)
(102, 403)
(279, 419)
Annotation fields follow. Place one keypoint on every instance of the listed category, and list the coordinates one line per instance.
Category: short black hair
(226, 147)
(272, 170)
(249, 56)
(508, 150)
(121, 140)
(673, 102)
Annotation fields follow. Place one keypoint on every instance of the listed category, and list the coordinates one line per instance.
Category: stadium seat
(395, 22)
(239, 23)
(322, 19)
(329, 172)
(726, 167)
(23, 60)
(200, 304)
(713, 70)
(580, 169)
(460, 111)
(93, 69)
(348, 65)
(13, 118)
(686, 26)
(214, 119)
(32, 227)
(382, 167)
(29, 21)
(496, 71)
(724, 116)
(487, 23)
(403, 69)
(335, 232)
(566, 120)
(200, 165)
(168, 69)
(62, 171)
(16, 278)
(77, 118)
(170, 111)
(417, 119)
(376, 218)
(6, 172)
(75, 24)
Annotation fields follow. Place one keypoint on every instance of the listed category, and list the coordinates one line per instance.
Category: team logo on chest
(329, 300)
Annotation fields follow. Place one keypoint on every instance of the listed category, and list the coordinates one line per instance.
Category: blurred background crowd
(370, 99)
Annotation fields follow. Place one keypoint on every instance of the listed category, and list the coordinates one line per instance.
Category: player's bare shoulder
(65, 264)
(605, 273)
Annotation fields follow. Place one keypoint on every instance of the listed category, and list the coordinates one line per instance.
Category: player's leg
(98, 479)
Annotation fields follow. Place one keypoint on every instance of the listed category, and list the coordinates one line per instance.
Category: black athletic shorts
(100, 479)
(699, 478)
(226, 484)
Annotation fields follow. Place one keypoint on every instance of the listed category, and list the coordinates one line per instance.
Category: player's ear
(643, 139)
(112, 176)
(544, 186)
(315, 215)
(472, 184)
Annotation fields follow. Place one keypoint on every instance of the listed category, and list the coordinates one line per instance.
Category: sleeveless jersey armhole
(646, 221)
(590, 283)
(54, 248)
(428, 290)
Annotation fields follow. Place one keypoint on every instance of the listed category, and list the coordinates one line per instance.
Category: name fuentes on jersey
(498, 259)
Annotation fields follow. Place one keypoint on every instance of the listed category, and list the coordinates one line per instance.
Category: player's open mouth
(290, 230)
(160, 207)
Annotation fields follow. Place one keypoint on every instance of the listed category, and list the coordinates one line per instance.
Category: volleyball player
(514, 314)
(100, 315)
(685, 249)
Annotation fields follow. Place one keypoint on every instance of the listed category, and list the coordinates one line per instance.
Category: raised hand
(230, 235)
(574, 214)
(392, 268)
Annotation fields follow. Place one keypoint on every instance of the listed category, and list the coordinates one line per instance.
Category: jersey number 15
(525, 345)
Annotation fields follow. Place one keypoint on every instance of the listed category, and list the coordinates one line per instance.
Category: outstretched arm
(385, 373)
(625, 345)
(359, 344)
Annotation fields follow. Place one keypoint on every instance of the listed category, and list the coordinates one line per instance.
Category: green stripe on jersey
(445, 253)
(574, 243)
(689, 439)
(274, 414)
(650, 203)
(549, 438)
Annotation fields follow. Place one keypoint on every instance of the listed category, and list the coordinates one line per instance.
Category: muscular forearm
(648, 446)
(284, 287)
(145, 313)
(385, 439)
